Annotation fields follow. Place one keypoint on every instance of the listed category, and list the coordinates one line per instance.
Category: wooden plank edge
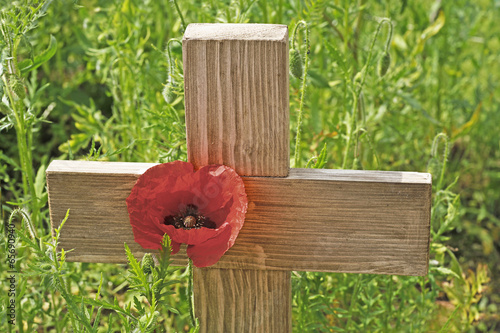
(135, 168)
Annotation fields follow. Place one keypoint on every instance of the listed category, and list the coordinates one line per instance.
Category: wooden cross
(236, 94)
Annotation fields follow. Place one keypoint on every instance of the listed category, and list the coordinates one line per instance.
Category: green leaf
(337, 56)
(28, 65)
(321, 161)
(40, 181)
(431, 30)
(110, 323)
(97, 319)
(164, 259)
(417, 106)
(138, 280)
(318, 80)
(116, 307)
(138, 305)
(445, 271)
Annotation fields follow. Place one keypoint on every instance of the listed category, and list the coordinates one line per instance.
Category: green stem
(346, 25)
(357, 90)
(389, 302)
(421, 305)
(352, 124)
(434, 148)
(303, 90)
(389, 38)
(25, 159)
(190, 293)
(18, 109)
(19, 133)
(264, 10)
(6, 304)
(357, 31)
(180, 14)
(169, 55)
(370, 54)
(354, 297)
(280, 11)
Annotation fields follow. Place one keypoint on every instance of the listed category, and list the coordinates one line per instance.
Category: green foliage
(319, 161)
(19, 103)
(28, 65)
(84, 315)
(49, 265)
(153, 282)
(390, 85)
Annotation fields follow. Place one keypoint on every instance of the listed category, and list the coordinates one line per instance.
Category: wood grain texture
(255, 301)
(236, 97)
(312, 220)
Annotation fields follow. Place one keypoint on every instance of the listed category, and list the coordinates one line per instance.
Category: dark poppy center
(189, 218)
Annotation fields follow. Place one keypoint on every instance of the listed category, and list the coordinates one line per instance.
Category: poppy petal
(209, 252)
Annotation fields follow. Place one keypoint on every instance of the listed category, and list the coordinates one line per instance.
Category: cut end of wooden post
(236, 31)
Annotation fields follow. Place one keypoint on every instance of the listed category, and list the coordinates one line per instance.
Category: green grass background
(100, 97)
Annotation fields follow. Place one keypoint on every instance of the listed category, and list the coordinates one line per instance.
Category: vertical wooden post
(236, 95)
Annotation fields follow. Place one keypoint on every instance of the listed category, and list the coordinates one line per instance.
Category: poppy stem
(296, 154)
(190, 293)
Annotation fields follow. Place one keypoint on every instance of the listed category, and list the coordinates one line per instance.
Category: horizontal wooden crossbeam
(312, 220)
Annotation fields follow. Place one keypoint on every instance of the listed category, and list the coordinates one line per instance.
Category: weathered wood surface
(312, 220)
(236, 96)
(267, 306)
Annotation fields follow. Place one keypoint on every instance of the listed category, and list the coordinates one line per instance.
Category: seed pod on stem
(168, 91)
(171, 85)
(383, 64)
(18, 87)
(296, 69)
(385, 61)
(147, 263)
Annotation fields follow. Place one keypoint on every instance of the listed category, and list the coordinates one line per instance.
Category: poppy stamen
(188, 219)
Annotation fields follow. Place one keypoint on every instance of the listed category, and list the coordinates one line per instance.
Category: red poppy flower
(203, 209)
